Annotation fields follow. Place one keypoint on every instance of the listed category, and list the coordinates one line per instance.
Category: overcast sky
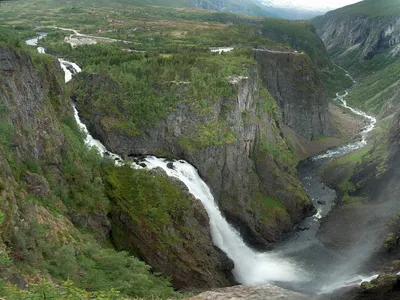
(314, 4)
(327, 3)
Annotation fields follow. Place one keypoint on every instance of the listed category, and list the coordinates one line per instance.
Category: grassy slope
(40, 244)
(165, 29)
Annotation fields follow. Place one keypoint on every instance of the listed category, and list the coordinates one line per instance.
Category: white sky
(326, 3)
(314, 4)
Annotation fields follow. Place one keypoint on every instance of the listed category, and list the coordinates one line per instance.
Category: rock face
(28, 123)
(346, 30)
(250, 172)
(293, 82)
(31, 122)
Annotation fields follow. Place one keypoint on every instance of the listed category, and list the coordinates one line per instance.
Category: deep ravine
(303, 244)
(299, 262)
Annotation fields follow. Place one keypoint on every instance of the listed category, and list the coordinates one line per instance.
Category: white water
(221, 49)
(357, 280)
(251, 267)
(34, 42)
(370, 125)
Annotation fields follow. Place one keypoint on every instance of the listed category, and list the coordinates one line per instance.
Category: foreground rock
(260, 292)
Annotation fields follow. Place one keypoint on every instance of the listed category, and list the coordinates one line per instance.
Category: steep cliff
(293, 82)
(370, 27)
(237, 146)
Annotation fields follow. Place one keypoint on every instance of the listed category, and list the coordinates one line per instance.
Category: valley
(295, 190)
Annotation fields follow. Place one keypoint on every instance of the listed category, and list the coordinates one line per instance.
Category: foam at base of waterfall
(353, 281)
(251, 267)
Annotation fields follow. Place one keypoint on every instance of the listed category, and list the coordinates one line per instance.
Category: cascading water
(251, 267)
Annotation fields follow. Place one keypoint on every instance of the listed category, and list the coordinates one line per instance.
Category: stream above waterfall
(299, 262)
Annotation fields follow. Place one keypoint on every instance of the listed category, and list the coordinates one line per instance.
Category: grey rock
(293, 82)
(260, 292)
(95, 221)
(371, 35)
(36, 185)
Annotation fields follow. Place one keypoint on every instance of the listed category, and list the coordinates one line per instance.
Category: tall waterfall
(251, 267)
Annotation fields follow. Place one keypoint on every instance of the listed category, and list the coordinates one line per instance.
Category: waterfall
(251, 267)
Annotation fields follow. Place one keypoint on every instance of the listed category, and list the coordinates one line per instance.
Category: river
(303, 245)
(300, 262)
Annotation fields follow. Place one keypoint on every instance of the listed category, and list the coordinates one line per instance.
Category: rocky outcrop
(347, 30)
(29, 132)
(238, 148)
(385, 287)
(293, 82)
(181, 249)
(25, 96)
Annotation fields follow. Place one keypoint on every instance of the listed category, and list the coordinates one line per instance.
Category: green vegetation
(272, 210)
(55, 248)
(149, 200)
(129, 91)
(157, 29)
(373, 157)
(139, 90)
(47, 290)
(377, 88)
(42, 244)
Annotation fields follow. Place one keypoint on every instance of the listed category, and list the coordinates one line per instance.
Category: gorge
(250, 266)
(162, 151)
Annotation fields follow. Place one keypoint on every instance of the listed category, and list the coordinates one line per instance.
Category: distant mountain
(248, 7)
(285, 9)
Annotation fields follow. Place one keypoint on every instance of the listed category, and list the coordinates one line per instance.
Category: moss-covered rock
(156, 218)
